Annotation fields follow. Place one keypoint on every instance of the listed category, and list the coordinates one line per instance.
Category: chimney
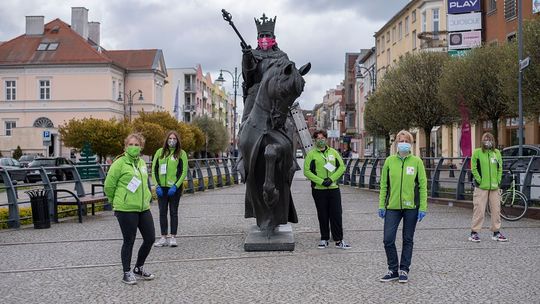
(93, 31)
(79, 21)
(35, 25)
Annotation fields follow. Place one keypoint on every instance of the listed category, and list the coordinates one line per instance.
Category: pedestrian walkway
(80, 263)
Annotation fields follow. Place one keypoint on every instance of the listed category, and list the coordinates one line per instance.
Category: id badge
(134, 184)
(163, 169)
(410, 170)
(330, 167)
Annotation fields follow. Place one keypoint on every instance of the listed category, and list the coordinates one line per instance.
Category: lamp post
(129, 100)
(373, 83)
(236, 79)
(520, 76)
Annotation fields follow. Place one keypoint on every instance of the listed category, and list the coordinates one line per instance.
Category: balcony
(189, 88)
(189, 108)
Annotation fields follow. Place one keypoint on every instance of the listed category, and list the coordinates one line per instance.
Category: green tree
(106, 137)
(478, 79)
(531, 75)
(216, 135)
(168, 122)
(153, 133)
(17, 153)
(379, 121)
(411, 92)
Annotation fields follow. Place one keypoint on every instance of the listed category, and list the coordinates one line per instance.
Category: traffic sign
(46, 136)
(524, 63)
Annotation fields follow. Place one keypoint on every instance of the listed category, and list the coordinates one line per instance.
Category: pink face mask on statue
(266, 43)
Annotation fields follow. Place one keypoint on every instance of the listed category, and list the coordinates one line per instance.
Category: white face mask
(172, 142)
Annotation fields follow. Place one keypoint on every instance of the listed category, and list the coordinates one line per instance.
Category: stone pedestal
(281, 240)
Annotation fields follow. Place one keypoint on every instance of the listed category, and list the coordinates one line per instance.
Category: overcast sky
(193, 31)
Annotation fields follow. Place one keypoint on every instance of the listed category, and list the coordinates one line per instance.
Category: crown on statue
(267, 24)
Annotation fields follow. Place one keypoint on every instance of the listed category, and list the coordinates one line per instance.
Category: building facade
(55, 72)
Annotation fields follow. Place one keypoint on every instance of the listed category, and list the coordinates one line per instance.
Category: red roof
(133, 59)
(72, 48)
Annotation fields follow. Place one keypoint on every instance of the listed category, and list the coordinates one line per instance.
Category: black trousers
(328, 203)
(129, 222)
(169, 203)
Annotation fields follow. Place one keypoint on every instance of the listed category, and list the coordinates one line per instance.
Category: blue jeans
(391, 223)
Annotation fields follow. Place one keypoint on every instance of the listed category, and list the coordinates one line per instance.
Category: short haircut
(405, 133)
(320, 131)
(137, 136)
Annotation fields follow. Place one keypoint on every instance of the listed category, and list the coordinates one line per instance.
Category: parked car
(8, 163)
(26, 159)
(59, 174)
(511, 153)
(299, 153)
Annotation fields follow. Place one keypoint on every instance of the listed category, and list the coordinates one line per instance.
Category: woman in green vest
(126, 187)
(169, 169)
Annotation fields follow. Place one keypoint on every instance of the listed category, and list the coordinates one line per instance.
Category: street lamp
(371, 72)
(129, 100)
(236, 79)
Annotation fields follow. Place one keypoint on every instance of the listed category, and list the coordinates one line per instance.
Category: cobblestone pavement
(80, 263)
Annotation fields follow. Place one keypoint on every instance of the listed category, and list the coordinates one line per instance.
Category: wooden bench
(75, 200)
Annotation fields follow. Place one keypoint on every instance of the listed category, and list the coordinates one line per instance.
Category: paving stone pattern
(80, 263)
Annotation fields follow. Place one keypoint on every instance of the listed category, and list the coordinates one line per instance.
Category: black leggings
(328, 203)
(129, 222)
(165, 202)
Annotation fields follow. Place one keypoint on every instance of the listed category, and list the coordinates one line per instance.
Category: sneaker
(342, 245)
(141, 274)
(172, 242)
(129, 278)
(389, 276)
(474, 237)
(162, 242)
(403, 276)
(323, 244)
(499, 237)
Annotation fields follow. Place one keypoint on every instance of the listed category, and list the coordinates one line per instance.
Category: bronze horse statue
(267, 148)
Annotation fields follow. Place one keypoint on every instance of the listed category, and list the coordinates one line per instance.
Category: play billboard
(463, 6)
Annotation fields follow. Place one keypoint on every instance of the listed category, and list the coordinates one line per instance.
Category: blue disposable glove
(382, 213)
(421, 215)
(159, 191)
(172, 190)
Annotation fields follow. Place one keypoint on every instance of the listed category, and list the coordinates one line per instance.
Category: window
(492, 5)
(114, 95)
(400, 31)
(413, 37)
(406, 25)
(382, 43)
(47, 46)
(11, 90)
(388, 57)
(435, 23)
(44, 89)
(424, 21)
(10, 125)
(378, 46)
(509, 9)
(394, 34)
(388, 36)
(413, 16)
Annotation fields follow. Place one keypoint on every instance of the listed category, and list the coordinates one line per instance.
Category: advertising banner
(464, 22)
(463, 6)
(464, 40)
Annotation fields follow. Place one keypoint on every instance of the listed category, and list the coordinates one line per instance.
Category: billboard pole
(520, 76)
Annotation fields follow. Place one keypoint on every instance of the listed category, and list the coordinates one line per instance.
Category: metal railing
(203, 174)
(448, 178)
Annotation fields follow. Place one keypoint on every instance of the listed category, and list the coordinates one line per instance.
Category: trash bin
(40, 208)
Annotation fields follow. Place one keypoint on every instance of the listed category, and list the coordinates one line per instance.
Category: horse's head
(282, 84)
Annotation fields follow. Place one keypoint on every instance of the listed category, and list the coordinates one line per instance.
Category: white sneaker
(322, 244)
(162, 242)
(172, 242)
